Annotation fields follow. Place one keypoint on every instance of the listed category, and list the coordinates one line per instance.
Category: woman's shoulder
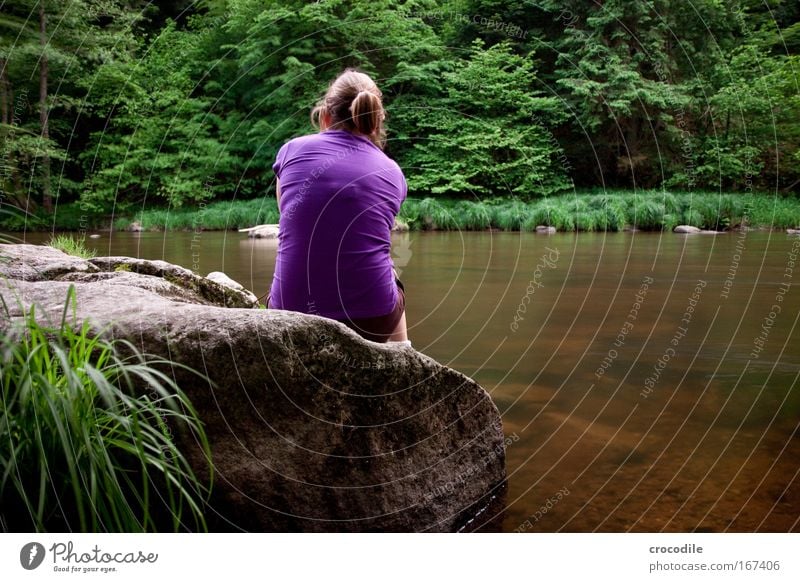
(300, 140)
(390, 164)
(294, 146)
(321, 141)
(345, 143)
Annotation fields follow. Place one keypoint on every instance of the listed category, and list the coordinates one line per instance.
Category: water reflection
(686, 428)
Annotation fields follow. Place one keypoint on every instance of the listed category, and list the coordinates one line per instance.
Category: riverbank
(588, 210)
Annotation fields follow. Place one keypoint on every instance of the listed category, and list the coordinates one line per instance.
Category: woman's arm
(278, 191)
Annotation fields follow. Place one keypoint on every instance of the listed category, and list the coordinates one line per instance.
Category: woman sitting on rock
(338, 195)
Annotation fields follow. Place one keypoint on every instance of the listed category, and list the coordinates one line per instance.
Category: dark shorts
(377, 329)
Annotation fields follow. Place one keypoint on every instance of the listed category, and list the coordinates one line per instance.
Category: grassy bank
(584, 211)
(222, 215)
(205, 216)
(609, 211)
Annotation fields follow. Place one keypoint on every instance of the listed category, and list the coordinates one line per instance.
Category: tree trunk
(4, 99)
(8, 116)
(47, 200)
(628, 160)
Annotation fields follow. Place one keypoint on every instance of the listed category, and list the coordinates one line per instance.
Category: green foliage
(753, 132)
(509, 214)
(82, 446)
(664, 94)
(774, 212)
(473, 215)
(436, 215)
(79, 36)
(73, 216)
(488, 130)
(16, 219)
(409, 213)
(72, 246)
(162, 105)
(646, 213)
(164, 143)
(213, 216)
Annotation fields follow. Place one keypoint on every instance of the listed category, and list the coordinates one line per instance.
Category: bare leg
(400, 333)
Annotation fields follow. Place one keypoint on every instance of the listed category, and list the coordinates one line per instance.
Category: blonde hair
(354, 103)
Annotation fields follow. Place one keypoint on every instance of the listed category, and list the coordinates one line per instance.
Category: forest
(112, 107)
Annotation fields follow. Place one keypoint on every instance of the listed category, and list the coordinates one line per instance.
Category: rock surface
(185, 285)
(40, 263)
(400, 225)
(262, 231)
(311, 427)
(225, 281)
(686, 229)
(543, 229)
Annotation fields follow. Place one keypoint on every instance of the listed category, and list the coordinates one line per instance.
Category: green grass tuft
(85, 434)
(72, 246)
(438, 215)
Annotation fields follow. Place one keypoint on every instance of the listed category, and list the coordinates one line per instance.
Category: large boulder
(40, 263)
(312, 428)
(185, 284)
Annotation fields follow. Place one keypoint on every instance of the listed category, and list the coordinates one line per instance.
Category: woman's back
(339, 196)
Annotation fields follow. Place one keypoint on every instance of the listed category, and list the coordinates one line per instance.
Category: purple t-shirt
(340, 195)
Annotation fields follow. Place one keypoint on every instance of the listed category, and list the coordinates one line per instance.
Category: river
(647, 382)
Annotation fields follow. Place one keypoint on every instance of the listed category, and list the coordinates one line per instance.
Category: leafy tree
(128, 102)
(488, 131)
(47, 48)
(161, 139)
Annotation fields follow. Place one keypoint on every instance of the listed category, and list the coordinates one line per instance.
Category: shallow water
(564, 335)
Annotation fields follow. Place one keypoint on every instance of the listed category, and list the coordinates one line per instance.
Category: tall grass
(590, 210)
(226, 214)
(775, 212)
(604, 211)
(85, 434)
(508, 215)
(409, 213)
(472, 215)
(438, 214)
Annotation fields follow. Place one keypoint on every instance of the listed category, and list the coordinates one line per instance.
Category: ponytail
(317, 113)
(366, 112)
(353, 102)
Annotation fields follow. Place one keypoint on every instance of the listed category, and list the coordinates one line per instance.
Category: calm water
(646, 380)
